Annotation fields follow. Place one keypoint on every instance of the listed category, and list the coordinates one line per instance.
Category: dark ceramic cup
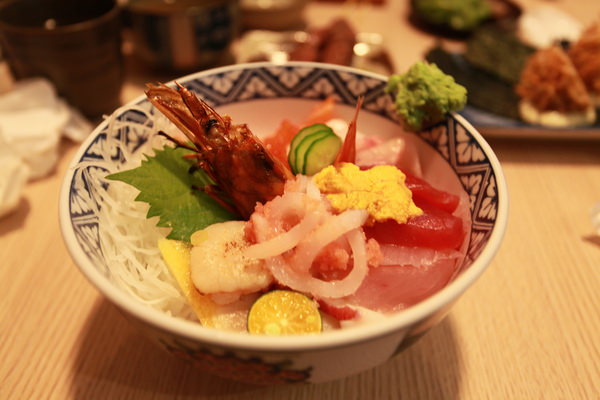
(75, 44)
(184, 35)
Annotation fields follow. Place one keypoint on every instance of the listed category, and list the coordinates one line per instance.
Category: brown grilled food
(585, 54)
(550, 82)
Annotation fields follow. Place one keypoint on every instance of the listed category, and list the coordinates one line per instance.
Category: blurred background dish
(273, 14)
(544, 55)
(335, 43)
(458, 18)
(76, 45)
(183, 35)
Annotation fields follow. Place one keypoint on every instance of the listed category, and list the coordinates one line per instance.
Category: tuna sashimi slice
(395, 287)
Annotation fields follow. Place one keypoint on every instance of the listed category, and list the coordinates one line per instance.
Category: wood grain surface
(528, 329)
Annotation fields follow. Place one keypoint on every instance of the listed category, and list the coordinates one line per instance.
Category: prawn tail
(348, 151)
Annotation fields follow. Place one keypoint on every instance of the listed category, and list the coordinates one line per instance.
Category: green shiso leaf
(169, 185)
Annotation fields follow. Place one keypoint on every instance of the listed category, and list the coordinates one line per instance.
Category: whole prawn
(244, 172)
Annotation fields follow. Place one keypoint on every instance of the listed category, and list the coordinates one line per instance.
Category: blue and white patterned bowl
(265, 94)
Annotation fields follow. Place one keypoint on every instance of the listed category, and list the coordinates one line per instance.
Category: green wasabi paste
(424, 95)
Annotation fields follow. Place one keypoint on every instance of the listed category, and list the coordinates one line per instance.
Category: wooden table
(529, 328)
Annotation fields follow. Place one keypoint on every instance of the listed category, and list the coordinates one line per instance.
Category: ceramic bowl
(262, 94)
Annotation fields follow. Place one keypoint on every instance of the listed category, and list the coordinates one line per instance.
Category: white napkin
(32, 121)
(13, 176)
(541, 26)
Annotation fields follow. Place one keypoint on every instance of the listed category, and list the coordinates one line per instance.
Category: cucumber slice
(301, 135)
(302, 148)
(321, 153)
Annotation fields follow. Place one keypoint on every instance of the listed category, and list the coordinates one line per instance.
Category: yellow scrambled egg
(380, 190)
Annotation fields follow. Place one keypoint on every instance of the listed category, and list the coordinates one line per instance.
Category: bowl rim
(235, 340)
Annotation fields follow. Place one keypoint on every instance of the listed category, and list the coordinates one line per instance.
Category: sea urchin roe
(380, 190)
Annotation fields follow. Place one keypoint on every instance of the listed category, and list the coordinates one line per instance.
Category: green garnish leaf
(167, 184)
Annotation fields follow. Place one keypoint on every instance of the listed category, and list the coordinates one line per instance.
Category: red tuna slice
(425, 195)
(343, 313)
(395, 287)
(434, 229)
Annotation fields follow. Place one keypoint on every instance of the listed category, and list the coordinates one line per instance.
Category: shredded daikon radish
(128, 239)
